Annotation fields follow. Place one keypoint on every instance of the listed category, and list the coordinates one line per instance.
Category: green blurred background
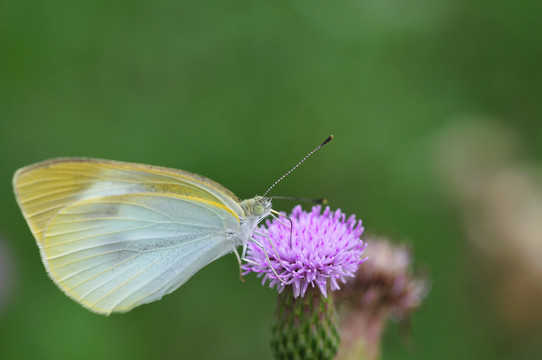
(239, 91)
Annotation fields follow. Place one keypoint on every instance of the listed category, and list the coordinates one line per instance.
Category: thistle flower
(386, 282)
(322, 248)
(384, 287)
(314, 252)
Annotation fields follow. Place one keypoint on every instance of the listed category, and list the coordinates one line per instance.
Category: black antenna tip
(321, 201)
(328, 139)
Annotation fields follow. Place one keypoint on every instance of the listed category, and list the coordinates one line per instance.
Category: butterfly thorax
(255, 209)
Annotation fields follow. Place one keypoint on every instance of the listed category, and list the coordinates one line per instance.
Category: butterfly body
(115, 235)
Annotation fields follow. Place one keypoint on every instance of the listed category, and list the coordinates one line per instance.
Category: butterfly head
(258, 207)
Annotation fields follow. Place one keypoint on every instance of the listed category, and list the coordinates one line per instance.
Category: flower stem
(361, 335)
(305, 327)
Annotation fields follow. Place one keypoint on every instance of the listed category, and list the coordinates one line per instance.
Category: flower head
(387, 282)
(387, 286)
(320, 248)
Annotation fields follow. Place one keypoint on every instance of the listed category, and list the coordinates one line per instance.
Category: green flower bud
(306, 327)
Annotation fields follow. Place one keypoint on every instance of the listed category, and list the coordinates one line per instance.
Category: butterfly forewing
(43, 189)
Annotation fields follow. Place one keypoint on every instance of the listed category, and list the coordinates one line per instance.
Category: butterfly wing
(114, 235)
(45, 188)
(116, 252)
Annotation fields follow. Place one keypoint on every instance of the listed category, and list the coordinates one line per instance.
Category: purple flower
(323, 247)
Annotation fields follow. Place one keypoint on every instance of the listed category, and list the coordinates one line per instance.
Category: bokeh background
(436, 111)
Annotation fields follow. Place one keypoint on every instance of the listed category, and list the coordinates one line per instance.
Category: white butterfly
(115, 235)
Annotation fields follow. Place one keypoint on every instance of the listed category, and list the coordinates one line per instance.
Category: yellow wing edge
(157, 170)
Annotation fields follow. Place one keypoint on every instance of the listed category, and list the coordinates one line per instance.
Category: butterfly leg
(273, 212)
(243, 256)
(267, 257)
(240, 264)
(244, 253)
(272, 244)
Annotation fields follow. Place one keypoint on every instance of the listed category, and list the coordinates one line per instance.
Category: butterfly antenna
(299, 163)
(322, 201)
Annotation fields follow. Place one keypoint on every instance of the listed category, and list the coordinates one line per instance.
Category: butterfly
(115, 235)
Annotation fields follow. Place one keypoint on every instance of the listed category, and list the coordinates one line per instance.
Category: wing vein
(48, 246)
(102, 272)
(131, 278)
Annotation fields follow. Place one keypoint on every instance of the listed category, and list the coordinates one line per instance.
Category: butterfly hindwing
(116, 252)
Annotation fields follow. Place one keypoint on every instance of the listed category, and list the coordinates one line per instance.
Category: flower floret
(320, 248)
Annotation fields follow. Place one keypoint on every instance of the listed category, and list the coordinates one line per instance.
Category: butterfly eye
(258, 210)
